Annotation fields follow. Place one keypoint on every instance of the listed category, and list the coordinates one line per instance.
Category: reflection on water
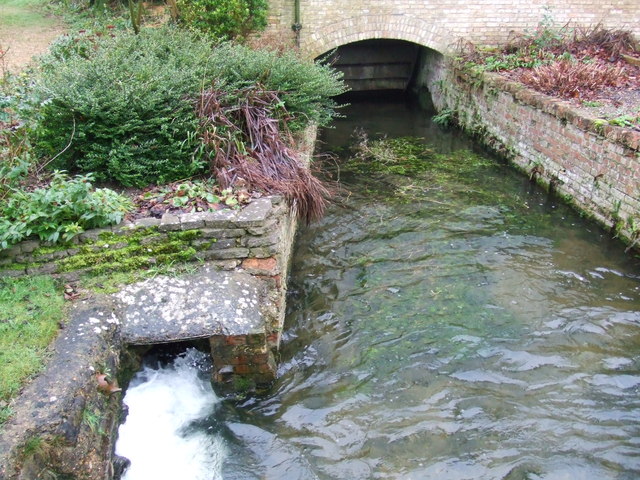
(474, 329)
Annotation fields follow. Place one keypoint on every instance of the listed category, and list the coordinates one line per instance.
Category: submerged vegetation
(411, 156)
(409, 170)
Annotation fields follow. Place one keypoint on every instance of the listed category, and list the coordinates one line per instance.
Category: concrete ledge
(53, 411)
(212, 302)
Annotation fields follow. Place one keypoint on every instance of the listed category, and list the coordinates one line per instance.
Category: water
(165, 434)
(460, 325)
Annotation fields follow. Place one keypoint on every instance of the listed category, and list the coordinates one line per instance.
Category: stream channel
(458, 323)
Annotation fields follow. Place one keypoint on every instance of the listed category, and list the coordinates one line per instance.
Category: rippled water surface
(448, 328)
(453, 335)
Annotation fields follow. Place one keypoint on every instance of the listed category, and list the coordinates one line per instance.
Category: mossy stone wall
(226, 236)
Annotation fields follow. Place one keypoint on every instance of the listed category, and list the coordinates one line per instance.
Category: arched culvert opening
(387, 66)
(159, 355)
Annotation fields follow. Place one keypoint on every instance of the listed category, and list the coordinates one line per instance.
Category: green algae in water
(409, 170)
(457, 322)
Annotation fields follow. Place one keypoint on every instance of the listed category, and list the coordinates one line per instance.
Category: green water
(456, 324)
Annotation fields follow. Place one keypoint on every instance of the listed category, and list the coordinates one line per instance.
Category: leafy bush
(304, 88)
(224, 19)
(123, 108)
(82, 44)
(15, 158)
(60, 211)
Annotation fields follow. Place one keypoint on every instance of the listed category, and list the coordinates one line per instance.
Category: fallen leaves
(71, 293)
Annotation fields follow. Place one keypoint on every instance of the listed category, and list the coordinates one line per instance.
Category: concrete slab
(211, 302)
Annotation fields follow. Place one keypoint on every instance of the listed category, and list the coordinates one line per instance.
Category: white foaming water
(156, 436)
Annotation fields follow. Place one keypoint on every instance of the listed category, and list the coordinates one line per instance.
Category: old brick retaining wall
(591, 164)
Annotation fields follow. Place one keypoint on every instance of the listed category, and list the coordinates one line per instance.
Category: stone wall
(590, 164)
(438, 24)
(227, 236)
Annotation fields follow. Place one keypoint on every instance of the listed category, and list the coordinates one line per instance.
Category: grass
(23, 14)
(32, 308)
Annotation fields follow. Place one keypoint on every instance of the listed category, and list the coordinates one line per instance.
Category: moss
(123, 265)
(141, 248)
(45, 250)
(207, 245)
(139, 252)
(133, 235)
(133, 256)
(111, 281)
(185, 236)
(182, 256)
(12, 266)
(243, 385)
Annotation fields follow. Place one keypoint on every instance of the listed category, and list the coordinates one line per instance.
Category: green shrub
(123, 108)
(223, 19)
(60, 211)
(82, 44)
(306, 89)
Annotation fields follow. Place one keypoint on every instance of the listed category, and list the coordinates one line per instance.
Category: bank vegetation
(130, 115)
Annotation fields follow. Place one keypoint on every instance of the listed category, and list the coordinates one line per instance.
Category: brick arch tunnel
(382, 65)
(383, 51)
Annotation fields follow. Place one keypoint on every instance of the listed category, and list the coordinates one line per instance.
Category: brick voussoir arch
(367, 27)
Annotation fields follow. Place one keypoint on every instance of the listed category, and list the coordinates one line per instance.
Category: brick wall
(438, 24)
(593, 166)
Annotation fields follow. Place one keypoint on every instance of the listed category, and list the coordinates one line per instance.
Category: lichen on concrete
(211, 302)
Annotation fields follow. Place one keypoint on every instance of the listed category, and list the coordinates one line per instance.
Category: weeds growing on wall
(564, 61)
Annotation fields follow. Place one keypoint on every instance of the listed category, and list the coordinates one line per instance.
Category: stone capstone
(209, 303)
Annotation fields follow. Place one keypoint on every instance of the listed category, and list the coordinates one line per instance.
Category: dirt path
(24, 33)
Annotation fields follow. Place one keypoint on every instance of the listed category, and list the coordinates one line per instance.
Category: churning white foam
(163, 403)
